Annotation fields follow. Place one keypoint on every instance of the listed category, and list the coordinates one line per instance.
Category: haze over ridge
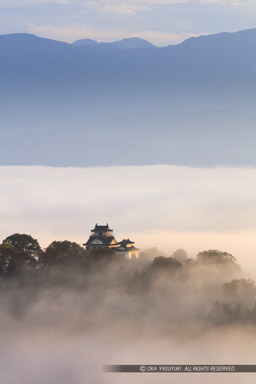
(188, 104)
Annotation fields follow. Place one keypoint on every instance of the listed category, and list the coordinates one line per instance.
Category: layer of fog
(164, 206)
(61, 327)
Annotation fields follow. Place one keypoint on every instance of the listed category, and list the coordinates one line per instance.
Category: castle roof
(104, 240)
(101, 228)
(124, 248)
(125, 242)
(102, 237)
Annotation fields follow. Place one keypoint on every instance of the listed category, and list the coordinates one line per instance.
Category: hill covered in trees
(210, 289)
(65, 313)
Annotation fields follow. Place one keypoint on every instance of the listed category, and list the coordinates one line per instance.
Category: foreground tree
(8, 256)
(24, 243)
(238, 302)
(216, 257)
(240, 290)
(168, 264)
(13, 261)
(102, 256)
(180, 255)
(62, 253)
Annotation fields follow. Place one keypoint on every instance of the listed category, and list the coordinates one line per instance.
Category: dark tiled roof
(126, 241)
(123, 248)
(110, 239)
(104, 240)
(101, 228)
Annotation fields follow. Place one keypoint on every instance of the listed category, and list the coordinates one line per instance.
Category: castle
(102, 237)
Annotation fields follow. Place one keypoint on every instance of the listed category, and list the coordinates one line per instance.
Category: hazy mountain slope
(85, 42)
(129, 43)
(80, 105)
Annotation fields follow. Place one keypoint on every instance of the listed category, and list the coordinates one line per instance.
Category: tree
(13, 261)
(216, 257)
(168, 264)
(239, 302)
(180, 255)
(24, 243)
(8, 256)
(62, 252)
(226, 313)
(101, 256)
(240, 288)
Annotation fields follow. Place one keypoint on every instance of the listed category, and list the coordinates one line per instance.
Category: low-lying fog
(60, 325)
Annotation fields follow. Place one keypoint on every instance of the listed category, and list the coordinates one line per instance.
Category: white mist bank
(42, 359)
(168, 207)
(62, 333)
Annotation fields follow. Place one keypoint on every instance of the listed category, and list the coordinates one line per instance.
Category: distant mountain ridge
(85, 104)
(137, 43)
(129, 43)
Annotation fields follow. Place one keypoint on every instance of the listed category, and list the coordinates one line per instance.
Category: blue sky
(160, 21)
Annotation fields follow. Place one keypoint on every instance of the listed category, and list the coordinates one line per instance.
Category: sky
(162, 22)
(163, 206)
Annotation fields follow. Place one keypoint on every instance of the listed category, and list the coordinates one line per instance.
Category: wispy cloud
(129, 7)
(133, 6)
(234, 3)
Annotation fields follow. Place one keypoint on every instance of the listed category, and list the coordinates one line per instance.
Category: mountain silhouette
(95, 103)
(129, 43)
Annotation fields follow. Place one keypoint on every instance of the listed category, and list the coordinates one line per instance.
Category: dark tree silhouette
(180, 255)
(165, 264)
(240, 288)
(62, 253)
(24, 243)
(226, 313)
(8, 257)
(101, 256)
(216, 257)
(239, 302)
(13, 261)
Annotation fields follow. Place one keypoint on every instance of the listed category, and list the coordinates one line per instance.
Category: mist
(167, 207)
(191, 104)
(60, 325)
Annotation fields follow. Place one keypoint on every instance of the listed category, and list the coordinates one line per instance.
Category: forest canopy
(211, 286)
